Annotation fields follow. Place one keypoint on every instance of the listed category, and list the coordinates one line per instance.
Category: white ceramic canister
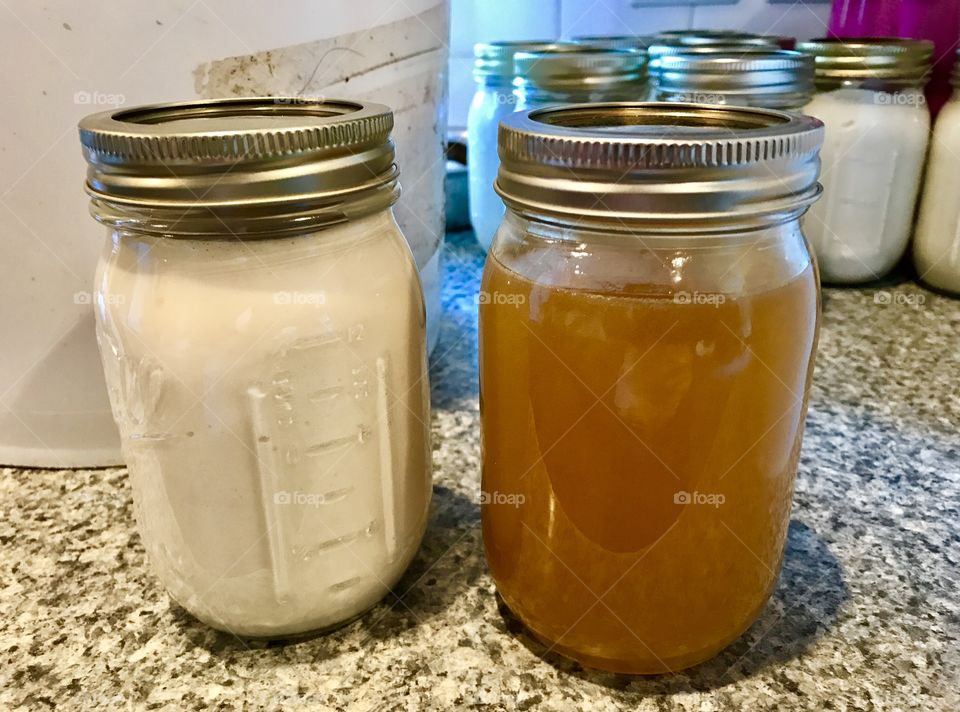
(870, 99)
(54, 410)
(936, 243)
(262, 330)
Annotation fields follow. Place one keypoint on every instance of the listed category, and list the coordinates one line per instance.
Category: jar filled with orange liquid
(648, 325)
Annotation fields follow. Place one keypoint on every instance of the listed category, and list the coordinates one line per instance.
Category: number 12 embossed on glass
(648, 329)
(261, 325)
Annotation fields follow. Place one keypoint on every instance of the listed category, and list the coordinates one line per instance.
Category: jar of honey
(648, 324)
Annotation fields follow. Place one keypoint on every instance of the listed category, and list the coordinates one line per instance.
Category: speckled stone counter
(866, 615)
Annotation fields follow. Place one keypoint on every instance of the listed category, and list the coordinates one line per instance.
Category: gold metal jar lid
(640, 42)
(665, 167)
(730, 43)
(660, 49)
(679, 40)
(247, 167)
(495, 59)
(772, 79)
(864, 58)
(695, 35)
(569, 72)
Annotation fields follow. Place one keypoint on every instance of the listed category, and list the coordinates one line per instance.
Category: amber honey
(639, 453)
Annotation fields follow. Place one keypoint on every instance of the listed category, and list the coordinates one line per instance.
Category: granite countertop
(866, 615)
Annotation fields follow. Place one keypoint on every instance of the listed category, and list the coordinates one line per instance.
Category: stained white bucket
(76, 59)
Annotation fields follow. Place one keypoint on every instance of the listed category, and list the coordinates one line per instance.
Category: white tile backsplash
(618, 17)
(798, 19)
(474, 21)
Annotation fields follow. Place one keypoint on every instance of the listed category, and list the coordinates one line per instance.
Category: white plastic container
(870, 99)
(494, 99)
(936, 244)
(264, 349)
(54, 410)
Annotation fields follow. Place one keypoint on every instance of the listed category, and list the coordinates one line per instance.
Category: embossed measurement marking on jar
(322, 440)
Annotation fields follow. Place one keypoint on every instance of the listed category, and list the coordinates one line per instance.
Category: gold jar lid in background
(695, 36)
(665, 167)
(495, 59)
(570, 72)
(893, 60)
(661, 49)
(773, 79)
(640, 42)
(676, 40)
(247, 167)
(667, 43)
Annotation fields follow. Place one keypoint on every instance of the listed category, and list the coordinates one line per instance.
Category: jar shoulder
(231, 289)
(732, 264)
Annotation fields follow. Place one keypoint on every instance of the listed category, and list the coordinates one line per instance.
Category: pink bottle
(936, 20)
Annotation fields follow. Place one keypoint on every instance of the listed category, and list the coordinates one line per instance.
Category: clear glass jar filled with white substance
(579, 73)
(870, 98)
(494, 73)
(261, 325)
(738, 76)
(936, 244)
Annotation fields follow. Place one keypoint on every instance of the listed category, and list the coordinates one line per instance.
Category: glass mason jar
(870, 98)
(739, 76)
(579, 73)
(648, 325)
(261, 326)
(936, 244)
(494, 99)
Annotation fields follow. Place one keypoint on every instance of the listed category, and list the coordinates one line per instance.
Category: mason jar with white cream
(494, 73)
(870, 98)
(736, 76)
(936, 244)
(565, 74)
(261, 326)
